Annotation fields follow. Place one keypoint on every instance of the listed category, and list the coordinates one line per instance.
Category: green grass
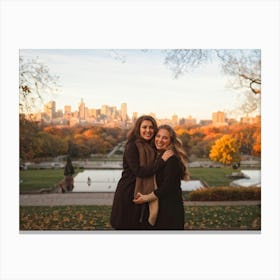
(97, 218)
(36, 179)
(214, 177)
(32, 180)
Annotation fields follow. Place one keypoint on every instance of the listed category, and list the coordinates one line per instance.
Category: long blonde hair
(177, 146)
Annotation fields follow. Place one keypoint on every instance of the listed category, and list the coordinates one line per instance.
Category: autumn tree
(51, 145)
(225, 150)
(257, 142)
(28, 142)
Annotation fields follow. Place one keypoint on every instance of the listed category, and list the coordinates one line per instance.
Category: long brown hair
(134, 133)
(177, 146)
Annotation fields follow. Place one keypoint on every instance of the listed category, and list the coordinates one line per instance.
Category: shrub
(225, 193)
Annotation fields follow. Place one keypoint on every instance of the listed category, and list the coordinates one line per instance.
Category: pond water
(253, 178)
(104, 180)
(100, 180)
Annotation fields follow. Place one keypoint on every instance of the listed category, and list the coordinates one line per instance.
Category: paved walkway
(56, 199)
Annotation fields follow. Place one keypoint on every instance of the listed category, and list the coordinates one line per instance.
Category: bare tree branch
(35, 81)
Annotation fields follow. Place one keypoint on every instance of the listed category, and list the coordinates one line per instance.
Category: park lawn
(214, 177)
(31, 180)
(97, 218)
(34, 180)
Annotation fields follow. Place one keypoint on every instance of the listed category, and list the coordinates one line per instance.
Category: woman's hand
(143, 198)
(140, 198)
(167, 154)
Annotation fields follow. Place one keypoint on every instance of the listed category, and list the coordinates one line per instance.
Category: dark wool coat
(169, 193)
(125, 213)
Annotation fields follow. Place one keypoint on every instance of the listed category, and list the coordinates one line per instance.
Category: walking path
(58, 199)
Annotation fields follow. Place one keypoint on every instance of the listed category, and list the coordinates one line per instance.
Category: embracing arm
(132, 159)
(143, 198)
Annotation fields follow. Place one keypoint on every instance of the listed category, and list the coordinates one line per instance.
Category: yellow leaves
(97, 218)
(225, 150)
(180, 131)
(80, 217)
(64, 218)
(223, 218)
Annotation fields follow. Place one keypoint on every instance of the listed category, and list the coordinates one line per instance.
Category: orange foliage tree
(225, 150)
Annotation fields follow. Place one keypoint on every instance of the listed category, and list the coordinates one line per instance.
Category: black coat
(169, 193)
(125, 213)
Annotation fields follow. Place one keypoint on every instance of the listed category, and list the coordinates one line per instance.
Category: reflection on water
(100, 180)
(104, 180)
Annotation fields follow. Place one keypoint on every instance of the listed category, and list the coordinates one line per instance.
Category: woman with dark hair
(139, 167)
(168, 193)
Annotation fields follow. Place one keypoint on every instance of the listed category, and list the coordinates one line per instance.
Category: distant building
(190, 121)
(134, 116)
(50, 110)
(175, 119)
(250, 120)
(205, 122)
(67, 112)
(165, 121)
(59, 114)
(73, 121)
(110, 116)
(124, 112)
(92, 113)
(113, 112)
(231, 121)
(218, 119)
(104, 110)
(82, 110)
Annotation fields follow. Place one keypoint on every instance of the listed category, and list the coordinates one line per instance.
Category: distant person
(139, 168)
(88, 181)
(68, 183)
(168, 193)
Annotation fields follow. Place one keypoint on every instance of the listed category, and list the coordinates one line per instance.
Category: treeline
(39, 142)
(199, 141)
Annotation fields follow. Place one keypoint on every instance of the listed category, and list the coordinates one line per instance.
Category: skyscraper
(123, 111)
(82, 110)
(49, 109)
(67, 112)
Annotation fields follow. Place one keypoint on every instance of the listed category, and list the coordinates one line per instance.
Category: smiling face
(147, 130)
(162, 139)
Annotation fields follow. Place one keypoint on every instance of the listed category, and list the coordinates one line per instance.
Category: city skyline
(67, 107)
(114, 116)
(138, 78)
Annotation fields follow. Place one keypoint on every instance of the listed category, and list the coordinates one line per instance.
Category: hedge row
(225, 193)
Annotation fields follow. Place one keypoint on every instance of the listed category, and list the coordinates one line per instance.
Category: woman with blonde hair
(168, 193)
